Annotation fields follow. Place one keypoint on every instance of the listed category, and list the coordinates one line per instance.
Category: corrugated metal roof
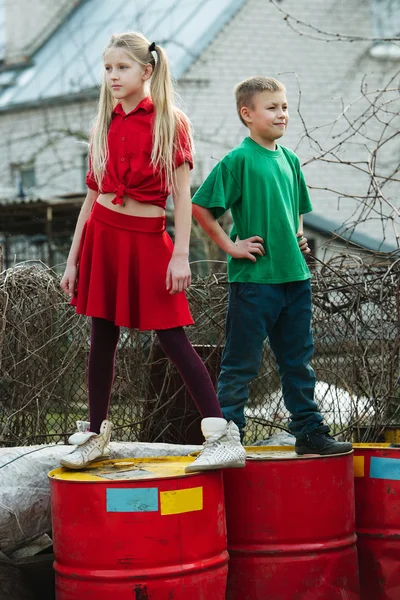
(328, 226)
(71, 60)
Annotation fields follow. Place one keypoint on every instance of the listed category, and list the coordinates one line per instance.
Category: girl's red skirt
(122, 269)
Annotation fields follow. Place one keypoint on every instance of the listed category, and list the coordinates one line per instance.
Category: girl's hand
(248, 248)
(303, 243)
(68, 280)
(178, 274)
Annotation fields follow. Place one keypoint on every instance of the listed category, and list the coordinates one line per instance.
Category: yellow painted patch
(358, 466)
(181, 501)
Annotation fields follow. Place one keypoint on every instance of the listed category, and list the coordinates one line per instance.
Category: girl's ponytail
(168, 118)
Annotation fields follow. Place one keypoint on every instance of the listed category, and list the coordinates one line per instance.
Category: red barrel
(377, 490)
(291, 525)
(139, 529)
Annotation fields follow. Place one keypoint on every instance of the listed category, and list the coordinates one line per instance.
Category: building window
(24, 177)
(385, 18)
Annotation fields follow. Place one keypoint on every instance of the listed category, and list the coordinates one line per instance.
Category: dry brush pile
(44, 348)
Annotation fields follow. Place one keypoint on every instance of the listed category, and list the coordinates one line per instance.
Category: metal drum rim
(376, 446)
(280, 449)
(286, 458)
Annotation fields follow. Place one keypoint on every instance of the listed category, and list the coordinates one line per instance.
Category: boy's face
(268, 116)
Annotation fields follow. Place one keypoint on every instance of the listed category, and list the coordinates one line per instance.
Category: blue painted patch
(132, 500)
(385, 468)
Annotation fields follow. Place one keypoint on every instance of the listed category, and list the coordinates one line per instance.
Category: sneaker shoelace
(323, 431)
(88, 446)
(327, 436)
(211, 442)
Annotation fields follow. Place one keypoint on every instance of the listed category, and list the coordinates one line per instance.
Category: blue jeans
(281, 312)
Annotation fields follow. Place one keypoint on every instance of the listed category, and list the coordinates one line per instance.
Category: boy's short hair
(247, 89)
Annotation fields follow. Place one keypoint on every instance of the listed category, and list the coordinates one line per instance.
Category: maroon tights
(175, 344)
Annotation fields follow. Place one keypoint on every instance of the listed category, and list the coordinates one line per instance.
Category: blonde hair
(247, 89)
(168, 122)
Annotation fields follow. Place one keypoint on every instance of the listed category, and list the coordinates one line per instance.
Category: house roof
(332, 228)
(69, 63)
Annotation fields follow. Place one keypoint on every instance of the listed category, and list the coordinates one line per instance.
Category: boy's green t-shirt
(266, 192)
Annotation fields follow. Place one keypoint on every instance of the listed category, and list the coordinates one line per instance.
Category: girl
(122, 269)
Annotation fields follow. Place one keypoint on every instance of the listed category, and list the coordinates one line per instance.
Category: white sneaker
(90, 446)
(222, 448)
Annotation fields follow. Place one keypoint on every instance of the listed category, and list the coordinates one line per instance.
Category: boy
(269, 281)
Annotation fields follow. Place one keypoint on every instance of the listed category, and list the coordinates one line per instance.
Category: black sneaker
(320, 442)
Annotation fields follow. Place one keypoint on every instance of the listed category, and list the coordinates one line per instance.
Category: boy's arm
(240, 249)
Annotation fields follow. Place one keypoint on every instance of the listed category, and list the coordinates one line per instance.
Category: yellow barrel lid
(282, 453)
(127, 469)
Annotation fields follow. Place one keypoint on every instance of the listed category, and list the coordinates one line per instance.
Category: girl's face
(125, 77)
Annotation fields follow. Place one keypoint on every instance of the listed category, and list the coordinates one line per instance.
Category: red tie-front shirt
(129, 170)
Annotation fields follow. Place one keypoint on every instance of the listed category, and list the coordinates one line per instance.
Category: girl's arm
(178, 272)
(69, 278)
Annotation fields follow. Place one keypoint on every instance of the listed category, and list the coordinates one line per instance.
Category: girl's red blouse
(129, 170)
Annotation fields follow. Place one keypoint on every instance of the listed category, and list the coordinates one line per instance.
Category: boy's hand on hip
(248, 248)
(303, 243)
(178, 274)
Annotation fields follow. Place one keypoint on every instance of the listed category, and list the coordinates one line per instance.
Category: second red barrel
(291, 527)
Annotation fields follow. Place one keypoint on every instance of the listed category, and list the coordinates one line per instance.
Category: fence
(44, 349)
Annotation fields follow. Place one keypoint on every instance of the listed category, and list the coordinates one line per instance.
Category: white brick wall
(53, 139)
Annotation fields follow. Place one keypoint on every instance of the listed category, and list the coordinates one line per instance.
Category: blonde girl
(123, 269)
